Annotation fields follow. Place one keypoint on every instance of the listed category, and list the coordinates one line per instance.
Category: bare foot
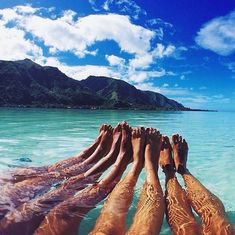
(126, 126)
(180, 151)
(122, 159)
(117, 131)
(104, 146)
(166, 161)
(138, 143)
(166, 153)
(153, 147)
(104, 127)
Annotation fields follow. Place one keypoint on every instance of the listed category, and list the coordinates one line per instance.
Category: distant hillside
(118, 93)
(25, 83)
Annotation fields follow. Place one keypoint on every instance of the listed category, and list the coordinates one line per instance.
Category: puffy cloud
(82, 72)
(162, 51)
(70, 35)
(79, 72)
(142, 76)
(141, 61)
(27, 9)
(144, 61)
(218, 35)
(115, 60)
(14, 45)
(131, 38)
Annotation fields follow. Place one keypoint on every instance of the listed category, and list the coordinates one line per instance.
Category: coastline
(104, 108)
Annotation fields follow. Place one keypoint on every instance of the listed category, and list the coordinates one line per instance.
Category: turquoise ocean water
(42, 136)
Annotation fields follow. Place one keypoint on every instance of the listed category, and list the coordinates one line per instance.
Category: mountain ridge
(26, 83)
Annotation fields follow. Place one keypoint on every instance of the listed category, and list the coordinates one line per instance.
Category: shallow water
(42, 136)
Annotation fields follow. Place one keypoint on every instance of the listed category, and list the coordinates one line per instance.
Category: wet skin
(60, 210)
(31, 172)
(150, 209)
(209, 208)
(13, 195)
(33, 212)
(66, 217)
(178, 211)
(116, 206)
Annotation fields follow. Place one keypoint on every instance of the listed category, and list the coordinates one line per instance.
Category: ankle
(169, 171)
(182, 170)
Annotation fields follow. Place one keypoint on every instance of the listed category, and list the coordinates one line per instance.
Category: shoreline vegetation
(27, 84)
(102, 108)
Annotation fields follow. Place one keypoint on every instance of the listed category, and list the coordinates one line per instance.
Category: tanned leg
(31, 172)
(207, 205)
(99, 143)
(113, 214)
(178, 211)
(29, 215)
(28, 189)
(150, 209)
(66, 217)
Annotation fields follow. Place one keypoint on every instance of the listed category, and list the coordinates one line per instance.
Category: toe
(134, 133)
(180, 139)
(174, 138)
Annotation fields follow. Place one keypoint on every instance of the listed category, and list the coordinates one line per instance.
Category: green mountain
(25, 83)
(120, 94)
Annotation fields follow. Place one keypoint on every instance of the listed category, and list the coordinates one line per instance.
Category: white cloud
(147, 86)
(142, 76)
(162, 51)
(119, 72)
(144, 61)
(82, 72)
(26, 9)
(79, 72)
(199, 99)
(68, 16)
(70, 35)
(141, 61)
(178, 53)
(185, 96)
(115, 60)
(218, 35)
(14, 45)
(165, 90)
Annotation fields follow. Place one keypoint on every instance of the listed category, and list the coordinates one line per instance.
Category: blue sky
(182, 49)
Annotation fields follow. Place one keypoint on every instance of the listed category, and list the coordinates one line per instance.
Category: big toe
(165, 154)
(175, 138)
(104, 127)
